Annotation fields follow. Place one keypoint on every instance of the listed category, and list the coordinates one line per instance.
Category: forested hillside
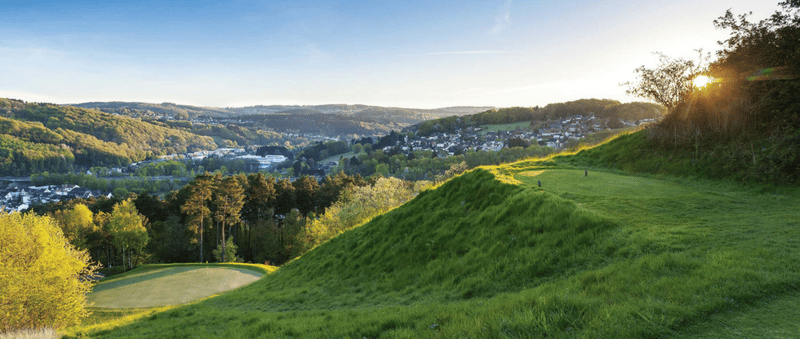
(38, 137)
(330, 120)
(600, 108)
(143, 109)
(303, 121)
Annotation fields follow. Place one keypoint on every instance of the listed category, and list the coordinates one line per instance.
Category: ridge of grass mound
(601, 256)
(745, 159)
(161, 285)
(473, 237)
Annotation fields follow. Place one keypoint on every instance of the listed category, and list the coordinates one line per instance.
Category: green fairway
(160, 286)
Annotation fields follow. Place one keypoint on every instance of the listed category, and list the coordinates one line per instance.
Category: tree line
(252, 218)
(745, 122)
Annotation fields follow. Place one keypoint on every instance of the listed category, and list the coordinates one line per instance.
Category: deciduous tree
(127, 229)
(40, 274)
(669, 83)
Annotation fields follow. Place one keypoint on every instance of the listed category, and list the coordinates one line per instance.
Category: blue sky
(420, 54)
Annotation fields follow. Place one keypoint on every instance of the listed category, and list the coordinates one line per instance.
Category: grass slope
(151, 286)
(607, 255)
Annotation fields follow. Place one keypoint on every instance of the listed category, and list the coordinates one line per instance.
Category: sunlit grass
(603, 255)
(169, 286)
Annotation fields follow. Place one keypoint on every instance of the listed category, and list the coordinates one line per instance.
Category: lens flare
(701, 81)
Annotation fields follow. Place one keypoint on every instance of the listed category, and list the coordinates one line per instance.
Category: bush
(42, 276)
(229, 250)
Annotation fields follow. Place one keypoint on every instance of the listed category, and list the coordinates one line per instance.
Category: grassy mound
(606, 255)
(744, 159)
(160, 285)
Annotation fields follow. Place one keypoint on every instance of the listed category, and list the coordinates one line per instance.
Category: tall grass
(599, 256)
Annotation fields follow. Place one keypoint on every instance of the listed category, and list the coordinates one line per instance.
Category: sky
(406, 53)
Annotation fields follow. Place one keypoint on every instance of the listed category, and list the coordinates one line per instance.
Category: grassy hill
(490, 254)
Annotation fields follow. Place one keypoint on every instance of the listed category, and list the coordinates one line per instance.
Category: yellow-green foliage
(76, 224)
(127, 228)
(39, 274)
(357, 205)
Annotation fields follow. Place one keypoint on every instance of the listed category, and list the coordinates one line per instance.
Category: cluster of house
(19, 196)
(553, 134)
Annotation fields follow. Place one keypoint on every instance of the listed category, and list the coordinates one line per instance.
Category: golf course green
(151, 286)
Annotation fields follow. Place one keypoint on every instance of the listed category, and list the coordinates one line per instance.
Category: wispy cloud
(502, 20)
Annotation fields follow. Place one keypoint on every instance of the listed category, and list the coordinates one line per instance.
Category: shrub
(42, 276)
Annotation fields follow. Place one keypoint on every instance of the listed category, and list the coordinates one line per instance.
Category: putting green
(169, 286)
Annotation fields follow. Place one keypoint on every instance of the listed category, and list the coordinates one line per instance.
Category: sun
(701, 81)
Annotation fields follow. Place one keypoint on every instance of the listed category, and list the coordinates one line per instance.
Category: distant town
(19, 195)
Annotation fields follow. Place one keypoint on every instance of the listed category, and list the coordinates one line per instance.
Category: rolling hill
(36, 137)
(330, 120)
(605, 109)
(536, 248)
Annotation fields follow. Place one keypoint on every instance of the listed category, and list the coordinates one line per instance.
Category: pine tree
(229, 199)
(197, 205)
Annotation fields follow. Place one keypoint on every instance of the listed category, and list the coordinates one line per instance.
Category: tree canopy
(40, 274)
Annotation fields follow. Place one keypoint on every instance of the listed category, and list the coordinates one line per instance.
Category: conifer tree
(229, 199)
(196, 205)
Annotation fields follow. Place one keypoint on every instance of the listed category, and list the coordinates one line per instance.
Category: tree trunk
(222, 229)
(201, 239)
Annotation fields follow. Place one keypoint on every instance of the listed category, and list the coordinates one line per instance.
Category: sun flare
(701, 81)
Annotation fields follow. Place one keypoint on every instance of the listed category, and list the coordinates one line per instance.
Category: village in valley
(19, 195)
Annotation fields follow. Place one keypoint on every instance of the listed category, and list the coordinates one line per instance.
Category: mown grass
(173, 292)
(169, 286)
(608, 255)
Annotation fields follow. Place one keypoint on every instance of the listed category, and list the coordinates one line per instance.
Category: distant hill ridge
(169, 109)
(37, 137)
(601, 108)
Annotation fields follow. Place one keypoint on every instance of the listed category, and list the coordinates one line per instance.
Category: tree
(518, 142)
(760, 63)
(41, 274)
(172, 241)
(226, 252)
(229, 199)
(669, 83)
(127, 229)
(305, 192)
(76, 224)
(260, 194)
(285, 197)
(196, 205)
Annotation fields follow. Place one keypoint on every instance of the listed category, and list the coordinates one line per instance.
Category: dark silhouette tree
(305, 191)
(669, 83)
